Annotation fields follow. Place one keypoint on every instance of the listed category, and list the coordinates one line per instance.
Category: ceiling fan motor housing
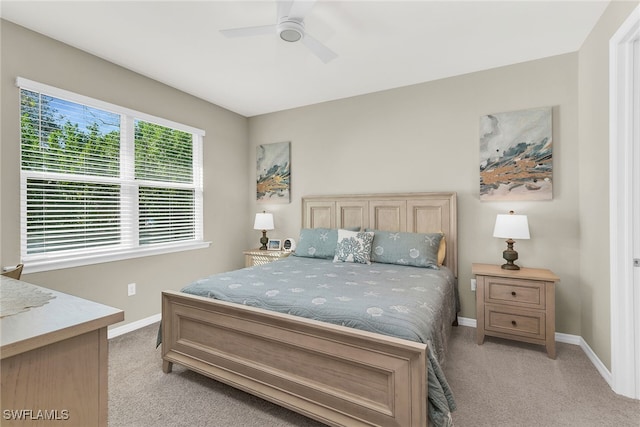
(290, 30)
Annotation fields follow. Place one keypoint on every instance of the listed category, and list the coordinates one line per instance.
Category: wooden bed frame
(337, 375)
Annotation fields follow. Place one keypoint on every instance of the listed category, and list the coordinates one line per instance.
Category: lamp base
(510, 255)
(264, 240)
(511, 266)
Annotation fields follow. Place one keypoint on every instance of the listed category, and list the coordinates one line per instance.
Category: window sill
(36, 266)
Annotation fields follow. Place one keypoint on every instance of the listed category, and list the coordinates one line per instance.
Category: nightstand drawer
(513, 321)
(521, 293)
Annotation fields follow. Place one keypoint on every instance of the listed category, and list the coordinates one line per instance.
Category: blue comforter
(416, 304)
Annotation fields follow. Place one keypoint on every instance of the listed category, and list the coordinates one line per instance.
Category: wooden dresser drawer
(514, 321)
(520, 293)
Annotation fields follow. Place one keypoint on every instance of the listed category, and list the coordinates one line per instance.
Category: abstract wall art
(273, 172)
(516, 155)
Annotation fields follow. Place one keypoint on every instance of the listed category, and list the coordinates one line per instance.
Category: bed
(336, 369)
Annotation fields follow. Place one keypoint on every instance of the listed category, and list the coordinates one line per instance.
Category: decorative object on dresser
(264, 222)
(274, 245)
(14, 272)
(258, 257)
(511, 227)
(289, 244)
(516, 304)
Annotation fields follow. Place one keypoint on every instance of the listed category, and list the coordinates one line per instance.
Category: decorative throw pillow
(442, 251)
(354, 246)
(317, 243)
(416, 249)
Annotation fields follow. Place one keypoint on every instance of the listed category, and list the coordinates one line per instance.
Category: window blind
(98, 178)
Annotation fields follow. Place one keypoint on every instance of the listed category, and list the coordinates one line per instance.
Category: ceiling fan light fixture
(290, 28)
(290, 31)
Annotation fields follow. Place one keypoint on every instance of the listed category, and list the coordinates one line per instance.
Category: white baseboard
(567, 339)
(591, 355)
(606, 374)
(130, 327)
(465, 321)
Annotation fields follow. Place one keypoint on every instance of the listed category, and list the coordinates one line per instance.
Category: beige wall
(226, 204)
(425, 138)
(594, 180)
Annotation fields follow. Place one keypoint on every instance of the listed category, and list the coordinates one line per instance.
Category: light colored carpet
(505, 383)
(500, 383)
(141, 395)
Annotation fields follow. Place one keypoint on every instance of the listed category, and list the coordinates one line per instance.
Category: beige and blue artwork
(516, 155)
(273, 172)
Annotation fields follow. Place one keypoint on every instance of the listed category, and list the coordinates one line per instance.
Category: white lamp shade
(511, 226)
(264, 221)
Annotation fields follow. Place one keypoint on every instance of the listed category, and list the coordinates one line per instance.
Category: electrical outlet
(131, 289)
(474, 284)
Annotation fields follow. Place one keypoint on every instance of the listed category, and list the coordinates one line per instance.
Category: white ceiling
(381, 44)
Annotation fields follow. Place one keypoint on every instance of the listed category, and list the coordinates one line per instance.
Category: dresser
(54, 359)
(258, 257)
(516, 304)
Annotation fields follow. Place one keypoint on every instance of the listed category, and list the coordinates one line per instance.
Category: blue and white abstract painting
(516, 155)
(273, 172)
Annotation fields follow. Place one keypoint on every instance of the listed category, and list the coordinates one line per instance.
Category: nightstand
(516, 304)
(258, 257)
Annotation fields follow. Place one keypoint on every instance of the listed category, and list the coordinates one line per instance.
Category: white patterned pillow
(354, 246)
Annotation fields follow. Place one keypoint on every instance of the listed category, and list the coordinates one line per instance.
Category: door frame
(623, 129)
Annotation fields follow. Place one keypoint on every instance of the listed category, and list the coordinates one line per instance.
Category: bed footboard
(337, 375)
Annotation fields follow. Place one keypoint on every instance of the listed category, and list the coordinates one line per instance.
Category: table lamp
(511, 226)
(264, 222)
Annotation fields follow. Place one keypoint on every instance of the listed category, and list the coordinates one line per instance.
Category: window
(101, 182)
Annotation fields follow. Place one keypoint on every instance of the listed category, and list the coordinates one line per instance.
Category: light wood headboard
(411, 212)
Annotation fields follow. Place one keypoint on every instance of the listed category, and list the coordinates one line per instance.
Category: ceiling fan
(289, 27)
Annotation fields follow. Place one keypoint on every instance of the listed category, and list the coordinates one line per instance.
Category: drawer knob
(513, 293)
(513, 322)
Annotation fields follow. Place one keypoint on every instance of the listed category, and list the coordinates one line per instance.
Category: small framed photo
(274, 245)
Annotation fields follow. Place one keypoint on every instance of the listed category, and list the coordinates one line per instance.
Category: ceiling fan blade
(300, 8)
(250, 31)
(321, 51)
(284, 6)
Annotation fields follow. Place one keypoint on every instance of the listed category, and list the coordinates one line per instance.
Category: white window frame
(53, 261)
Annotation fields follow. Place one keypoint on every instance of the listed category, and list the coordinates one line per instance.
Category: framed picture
(273, 173)
(516, 153)
(274, 245)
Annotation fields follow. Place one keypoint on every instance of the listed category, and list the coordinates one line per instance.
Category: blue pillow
(317, 243)
(415, 249)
